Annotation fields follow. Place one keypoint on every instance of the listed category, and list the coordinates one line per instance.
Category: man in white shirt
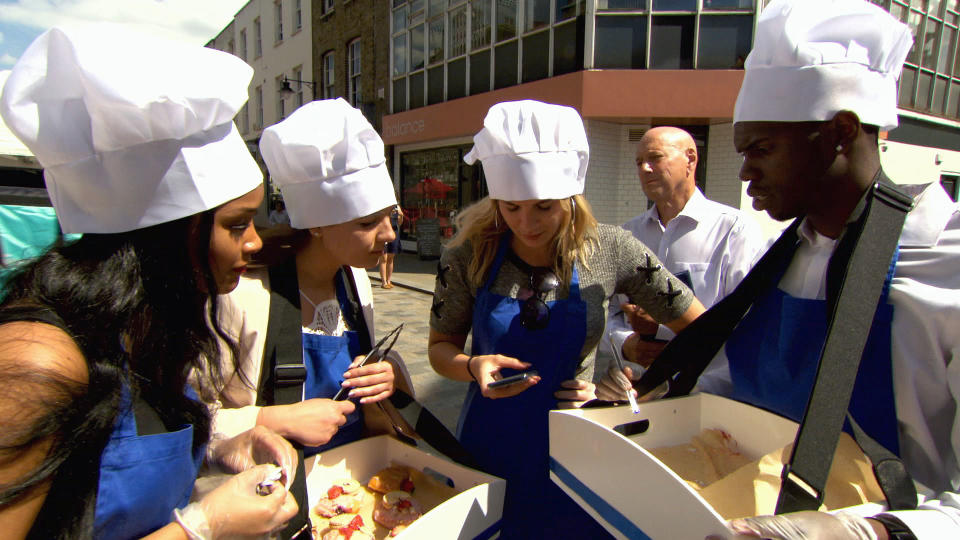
(708, 245)
(819, 86)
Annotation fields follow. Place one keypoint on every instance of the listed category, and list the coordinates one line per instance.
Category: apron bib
(143, 477)
(774, 354)
(509, 437)
(326, 359)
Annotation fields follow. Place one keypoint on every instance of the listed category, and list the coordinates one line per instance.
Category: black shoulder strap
(282, 374)
(855, 279)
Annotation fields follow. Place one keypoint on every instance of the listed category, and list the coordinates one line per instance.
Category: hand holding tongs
(379, 352)
(619, 359)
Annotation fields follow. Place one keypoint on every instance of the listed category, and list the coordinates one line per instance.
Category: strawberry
(334, 492)
(407, 485)
(356, 523)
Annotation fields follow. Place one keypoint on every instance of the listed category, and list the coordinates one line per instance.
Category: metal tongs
(379, 352)
(616, 356)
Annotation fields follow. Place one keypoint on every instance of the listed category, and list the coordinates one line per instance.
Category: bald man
(709, 245)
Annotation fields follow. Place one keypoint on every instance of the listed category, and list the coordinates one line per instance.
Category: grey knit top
(620, 264)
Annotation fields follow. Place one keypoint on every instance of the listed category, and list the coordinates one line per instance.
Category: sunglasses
(535, 313)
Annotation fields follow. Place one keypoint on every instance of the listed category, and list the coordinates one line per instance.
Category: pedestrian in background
(391, 249)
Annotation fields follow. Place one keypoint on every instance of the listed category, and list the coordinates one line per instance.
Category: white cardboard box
(473, 513)
(631, 493)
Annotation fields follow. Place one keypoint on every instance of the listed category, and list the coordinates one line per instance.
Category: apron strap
(282, 375)
(855, 280)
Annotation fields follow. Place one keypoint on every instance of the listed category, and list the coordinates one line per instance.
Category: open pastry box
(474, 512)
(629, 491)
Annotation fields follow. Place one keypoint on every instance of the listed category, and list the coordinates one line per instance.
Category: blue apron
(774, 353)
(509, 437)
(143, 477)
(326, 359)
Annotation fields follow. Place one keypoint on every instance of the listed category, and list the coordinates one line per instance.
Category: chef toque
(329, 163)
(132, 131)
(814, 58)
(531, 150)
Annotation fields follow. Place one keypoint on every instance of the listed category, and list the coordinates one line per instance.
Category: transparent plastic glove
(805, 526)
(254, 447)
(236, 510)
(615, 384)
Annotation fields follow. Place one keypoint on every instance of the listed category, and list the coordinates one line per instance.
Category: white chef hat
(531, 150)
(814, 58)
(132, 131)
(329, 163)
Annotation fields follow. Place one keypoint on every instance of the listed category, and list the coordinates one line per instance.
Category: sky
(193, 21)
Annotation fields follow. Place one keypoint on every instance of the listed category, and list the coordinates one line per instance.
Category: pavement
(409, 302)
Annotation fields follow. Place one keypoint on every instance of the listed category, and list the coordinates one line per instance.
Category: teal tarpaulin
(25, 233)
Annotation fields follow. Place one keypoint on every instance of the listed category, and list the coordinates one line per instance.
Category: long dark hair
(136, 304)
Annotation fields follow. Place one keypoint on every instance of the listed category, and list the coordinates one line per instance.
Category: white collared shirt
(717, 244)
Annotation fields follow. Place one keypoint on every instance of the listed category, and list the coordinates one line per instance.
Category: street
(442, 396)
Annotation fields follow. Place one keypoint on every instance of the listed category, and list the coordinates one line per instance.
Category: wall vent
(634, 134)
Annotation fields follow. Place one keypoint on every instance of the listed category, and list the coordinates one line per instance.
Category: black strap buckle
(290, 374)
(796, 494)
(893, 197)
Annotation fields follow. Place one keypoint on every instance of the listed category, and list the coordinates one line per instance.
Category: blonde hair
(481, 224)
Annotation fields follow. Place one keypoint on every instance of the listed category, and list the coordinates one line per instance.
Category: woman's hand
(615, 384)
(486, 368)
(575, 393)
(312, 422)
(253, 447)
(236, 510)
(371, 383)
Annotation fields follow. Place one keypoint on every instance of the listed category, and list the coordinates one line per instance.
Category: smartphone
(512, 379)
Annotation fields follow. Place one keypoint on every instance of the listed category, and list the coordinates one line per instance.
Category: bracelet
(470, 371)
(194, 522)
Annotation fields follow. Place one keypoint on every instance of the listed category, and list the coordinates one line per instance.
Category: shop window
(566, 49)
(931, 40)
(948, 42)
(400, 95)
(506, 19)
(416, 48)
(435, 85)
(907, 79)
(536, 61)
(621, 42)
(480, 72)
(724, 41)
(950, 183)
(457, 79)
(671, 42)
(505, 65)
(536, 15)
(416, 90)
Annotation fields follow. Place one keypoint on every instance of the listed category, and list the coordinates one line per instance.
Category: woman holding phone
(101, 437)
(530, 272)
(329, 164)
